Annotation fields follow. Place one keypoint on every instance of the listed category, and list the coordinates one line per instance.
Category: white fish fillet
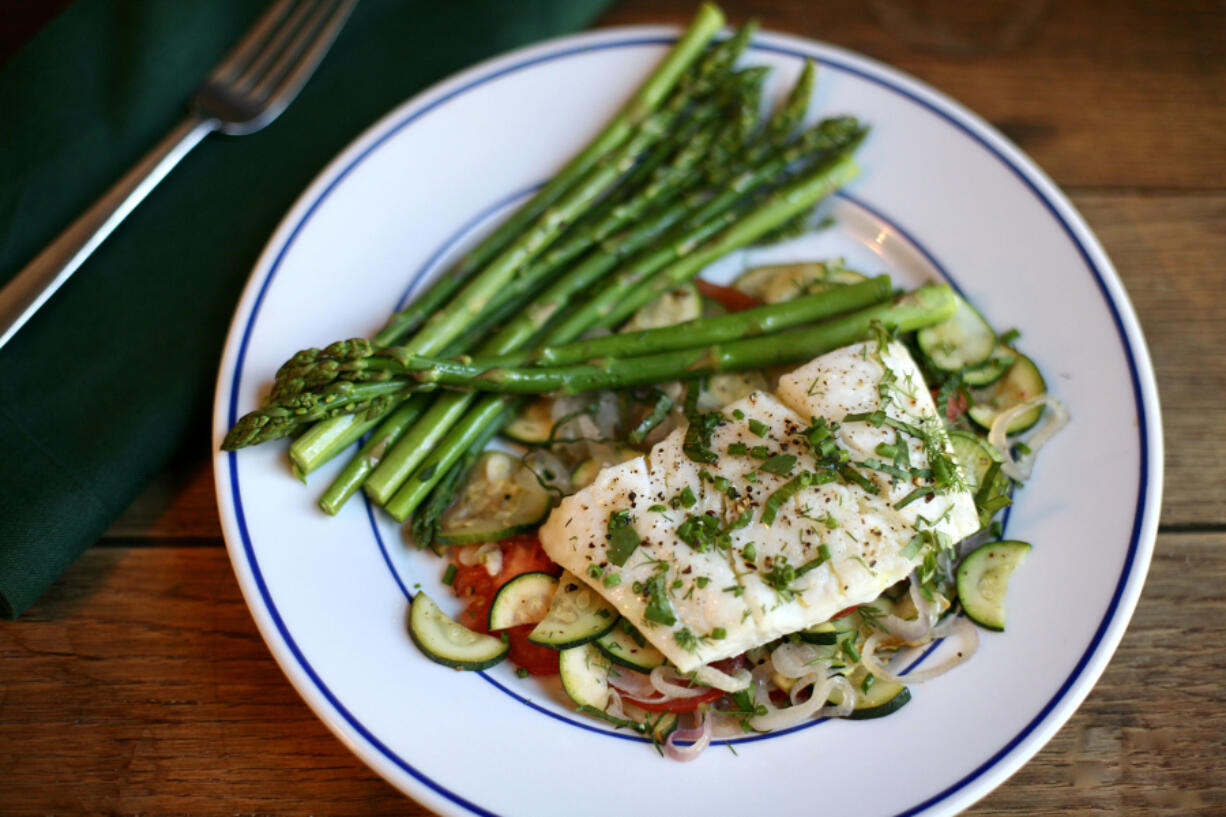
(729, 597)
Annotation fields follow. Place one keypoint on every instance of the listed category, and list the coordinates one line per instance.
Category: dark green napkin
(102, 386)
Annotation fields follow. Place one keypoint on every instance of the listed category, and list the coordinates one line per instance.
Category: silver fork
(248, 89)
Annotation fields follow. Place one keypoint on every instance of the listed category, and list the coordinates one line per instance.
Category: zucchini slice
(880, 699)
(965, 339)
(576, 616)
(585, 675)
(1020, 383)
(502, 498)
(445, 641)
(992, 369)
(830, 632)
(676, 306)
(983, 581)
(624, 645)
(586, 471)
(883, 698)
(525, 599)
(533, 424)
(721, 389)
(977, 456)
(783, 282)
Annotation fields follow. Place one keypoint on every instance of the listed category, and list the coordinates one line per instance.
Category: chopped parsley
(780, 465)
(659, 610)
(697, 444)
(623, 538)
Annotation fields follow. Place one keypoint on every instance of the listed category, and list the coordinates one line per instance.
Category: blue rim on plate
(1144, 519)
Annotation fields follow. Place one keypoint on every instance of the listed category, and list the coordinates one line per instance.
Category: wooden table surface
(139, 684)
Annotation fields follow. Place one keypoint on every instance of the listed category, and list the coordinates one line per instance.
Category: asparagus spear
(322, 442)
(760, 320)
(914, 310)
(777, 209)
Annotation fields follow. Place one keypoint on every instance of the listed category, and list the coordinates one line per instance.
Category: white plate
(942, 195)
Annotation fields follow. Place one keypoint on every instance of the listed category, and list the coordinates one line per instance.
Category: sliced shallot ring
(776, 718)
(970, 643)
(635, 684)
(722, 681)
(912, 631)
(1019, 469)
(667, 687)
(700, 735)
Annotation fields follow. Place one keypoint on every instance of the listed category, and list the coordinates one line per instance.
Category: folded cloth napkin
(102, 385)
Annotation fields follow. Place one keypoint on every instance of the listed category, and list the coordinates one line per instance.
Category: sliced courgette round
(445, 641)
(586, 471)
(576, 616)
(992, 369)
(828, 632)
(501, 499)
(1020, 383)
(675, 306)
(880, 699)
(883, 698)
(721, 389)
(525, 599)
(533, 424)
(983, 581)
(976, 456)
(783, 282)
(626, 646)
(584, 671)
(965, 339)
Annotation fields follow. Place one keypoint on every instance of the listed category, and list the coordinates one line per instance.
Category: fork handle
(29, 289)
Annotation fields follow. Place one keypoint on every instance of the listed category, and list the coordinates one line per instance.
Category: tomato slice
(678, 704)
(474, 584)
(534, 658)
(731, 298)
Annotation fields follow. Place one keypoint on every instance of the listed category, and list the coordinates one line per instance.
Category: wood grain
(1125, 94)
(139, 684)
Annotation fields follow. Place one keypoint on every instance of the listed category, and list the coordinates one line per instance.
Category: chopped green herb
(697, 443)
(736, 449)
(685, 639)
(759, 452)
(749, 552)
(758, 427)
(520, 672)
(595, 571)
(686, 498)
(699, 532)
(612, 580)
(738, 414)
(719, 633)
(623, 538)
(780, 465)
(823, 556)
(659, 610)
(449, 575)
(657, 508)
(702, 581)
